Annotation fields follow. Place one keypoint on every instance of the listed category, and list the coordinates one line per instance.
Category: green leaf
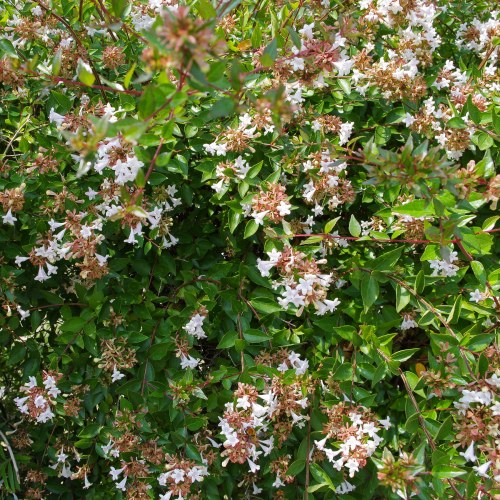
(195, 423)
(266, 306)
(227, 340)
(486, 167)
(254, 171)
(140, 181)
(226, 8)
(420, 282)
(234, 220)
(345, 85)
(477, 244)
(250, 228)
(482, 140)
(159, 351)
(320, 475)
(150, 101)
(482, 365)
(270, 53)
(17, 353)
(343, 372)
(129, 75)
(474, 113)
(331, 224)
(73, 325)
(192, 452)
(495, 119)
(480, 342)
(294, 36)
(403, 297)
(354, 226)
(206, 9)
(404, 355)
(382, 135)
(490, 223)
(256, 37)
(255, 336)
(379, 374)
(445, 430)
(224, 107)
(7, 47)
(119, 7)
(447, 472)
(415, 208)
(199, 393)
(56, 62)
(347, 332)
(387, 260)
(317, 487)
(456, 122)
(454, 315)
(369, 290)
(478, 270)
(296, 467)
(90, 431)
(85, 73)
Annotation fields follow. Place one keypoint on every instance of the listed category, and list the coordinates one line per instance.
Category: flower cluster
(40, 400)
(116, 356)
(179, 477)
(12, 200)
(152, 151)
(224, 171)
(236, 139)
(445, 267)
(478, 409)
(357, 431)
(195, 325)
(302, 281)
(271, 204)
(328, 184)
(246, 424)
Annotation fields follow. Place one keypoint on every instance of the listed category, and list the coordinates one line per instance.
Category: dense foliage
(248, 249)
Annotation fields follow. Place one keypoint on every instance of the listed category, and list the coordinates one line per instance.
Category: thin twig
(76, 38)
(420, 417)
(151, 340)
(470, 258)
(12, 457)
(364, 239)
(436, 313)
(308, 458)
(18, 131)
(66, 81)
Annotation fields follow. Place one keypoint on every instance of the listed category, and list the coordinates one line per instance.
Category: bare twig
(364, 239)
(11, 454)
(75, 36)
(308, 458)
(420, 417)
(436, 313)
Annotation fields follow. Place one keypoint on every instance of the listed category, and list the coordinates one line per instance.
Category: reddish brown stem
(74, 83)
(470, 258)
(381, 240)
(75, 36)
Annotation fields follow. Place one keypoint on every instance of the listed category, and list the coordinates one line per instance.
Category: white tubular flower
(8, 218)
(189, 362)
(469, 453)
(121, 484)
(116, 375)
(115, 473)
(482, 470)
(253, 466)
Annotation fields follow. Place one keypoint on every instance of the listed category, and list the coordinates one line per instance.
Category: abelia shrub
(248, 249)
